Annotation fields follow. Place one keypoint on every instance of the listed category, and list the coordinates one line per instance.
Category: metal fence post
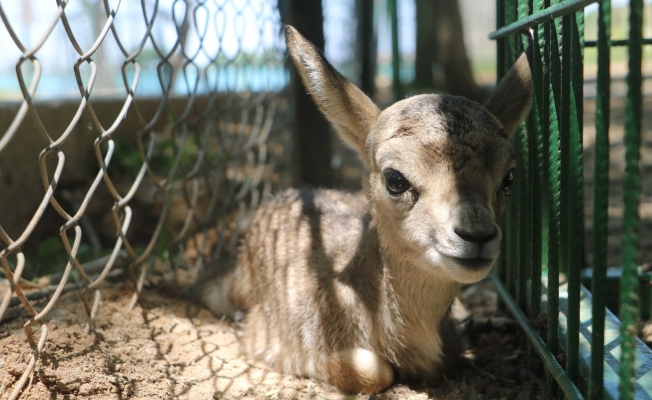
(632, 191)
(601, 203)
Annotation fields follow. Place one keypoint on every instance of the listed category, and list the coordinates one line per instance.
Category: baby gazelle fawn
(356, 289)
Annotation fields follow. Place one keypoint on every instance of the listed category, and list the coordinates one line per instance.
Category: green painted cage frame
(545, 220)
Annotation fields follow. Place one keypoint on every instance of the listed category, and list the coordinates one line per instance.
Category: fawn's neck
(418, 300)
(423, 292)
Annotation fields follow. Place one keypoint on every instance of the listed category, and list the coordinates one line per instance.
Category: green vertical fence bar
(561, 92)
(544, 47)
(522, 222)
(524, 188)
(544, 39)
(601, 202)
(632, 190)
(500, 72)
(510, 54)
(511, 245)
(536, 130)
(554, 158)
(574, 40)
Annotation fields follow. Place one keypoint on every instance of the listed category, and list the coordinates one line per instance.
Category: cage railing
(586, 350)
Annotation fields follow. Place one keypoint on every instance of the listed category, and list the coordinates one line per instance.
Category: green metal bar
(534, 214)
(545, 15)
(513, 267)
(501, 65)
(541, 65)
(396, 55)
(543, 94)
(554, 207)
(632, 191)
(536, 131)
(523, 220)
(562, 103)
(616, 43)
(552, 365)
(577, 142)
(544, 47)
(575, 196)
(500, 72)
(601, 202)
(562, 97)
(525, 195)
(511, 260)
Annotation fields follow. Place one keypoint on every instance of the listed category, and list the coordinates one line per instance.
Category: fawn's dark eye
(397, 184)
(507, 182)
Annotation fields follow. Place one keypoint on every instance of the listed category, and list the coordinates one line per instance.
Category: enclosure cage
(156, 127)
(542, 275)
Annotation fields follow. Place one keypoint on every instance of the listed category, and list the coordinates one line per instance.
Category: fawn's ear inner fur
(351, 112)
(512, 99)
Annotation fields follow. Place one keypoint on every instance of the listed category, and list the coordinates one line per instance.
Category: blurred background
(352, 32)
(437, 45)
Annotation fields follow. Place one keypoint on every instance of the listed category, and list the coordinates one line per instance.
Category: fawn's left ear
(351, 112)
(512, 100)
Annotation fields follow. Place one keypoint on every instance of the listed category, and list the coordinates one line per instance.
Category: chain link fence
(170, 128)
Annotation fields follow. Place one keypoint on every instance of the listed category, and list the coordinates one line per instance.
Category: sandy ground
(170, 348)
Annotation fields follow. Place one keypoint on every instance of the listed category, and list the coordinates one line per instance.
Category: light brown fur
(356, 289)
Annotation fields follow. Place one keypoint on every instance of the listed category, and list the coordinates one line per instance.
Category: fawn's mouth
(475, 263)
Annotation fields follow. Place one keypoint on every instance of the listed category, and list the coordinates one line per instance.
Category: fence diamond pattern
(219, 151)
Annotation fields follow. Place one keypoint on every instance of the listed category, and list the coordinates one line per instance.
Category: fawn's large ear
(351, 112)
(513, 97)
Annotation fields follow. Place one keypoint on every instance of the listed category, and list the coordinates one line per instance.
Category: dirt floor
(170, 348)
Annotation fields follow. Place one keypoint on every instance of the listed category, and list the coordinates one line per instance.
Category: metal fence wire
(195, 123)
(582, 344)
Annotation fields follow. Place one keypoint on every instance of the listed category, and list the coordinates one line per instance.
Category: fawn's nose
(478, 234)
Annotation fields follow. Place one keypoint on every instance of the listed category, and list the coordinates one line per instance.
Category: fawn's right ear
(511, 101)
(351, 112)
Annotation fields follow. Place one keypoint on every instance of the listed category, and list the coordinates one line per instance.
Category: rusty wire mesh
(212, 147)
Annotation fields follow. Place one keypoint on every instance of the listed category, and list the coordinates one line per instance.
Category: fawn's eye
(397, 184)
(507, 182)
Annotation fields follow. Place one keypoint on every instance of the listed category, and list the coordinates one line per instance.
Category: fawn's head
(439, 166)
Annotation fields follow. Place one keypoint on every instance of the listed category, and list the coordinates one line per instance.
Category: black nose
(478, 235)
